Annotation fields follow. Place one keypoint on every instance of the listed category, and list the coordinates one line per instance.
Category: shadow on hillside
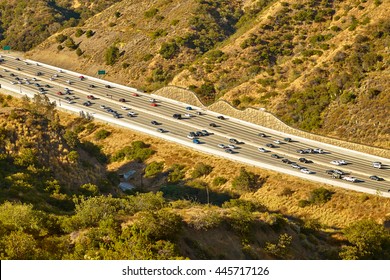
(195, 194)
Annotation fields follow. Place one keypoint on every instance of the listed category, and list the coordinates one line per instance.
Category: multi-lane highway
(113, 103)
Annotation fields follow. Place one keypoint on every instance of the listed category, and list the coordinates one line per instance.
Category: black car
(304, 160)
(286, 160)
(233, 141)
(39, 73)
(275, 156)
(262, 134)
(154, 123)
(91, 86)
(213, 125)
(270, 145)
(229, 151)
(221, 117)
(177, 116)
(287, 139)
(107, 86)
(376, 178)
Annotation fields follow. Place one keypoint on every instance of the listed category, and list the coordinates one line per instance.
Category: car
(41, 89)
(91, 97)
(160, 130)
(55, 76)
(308, 151)
(199, 113)
(300, 151)
(338, 171)
(154, 123)
(92, 86)
(263, 150)
(262, 134)
(231, 146)
(117, 116)
(135, 94)
(196, 141)
(87, 103)
(59, 93)
(81, 78)
(377, 164)
(103, 106)
(336, 162)
(48, 86)
(275, 156)
(59, 70)
(287, 139)
(318, 151)
(13, 83)
(188, 115)
(189, 108)
(205, 132)
(376, 178)
(17, 58)
(295, 165)
(131, 114)
(270, 145)
(192, 133)
(199, 133)
(68, 81)
(18, 69)
(229, 151)
(222, 146)
(39, 73)
(12, 75)
(304, 160)
(152, 100)
(350, 179)
(68, 100)
(234, 141)
(107, 86)
(221, 117)
(305, 170)
(212, 125)
(124, 108)
(177, 116)
(286, 160)
(153, 104)
(191, 136)
(278, 142)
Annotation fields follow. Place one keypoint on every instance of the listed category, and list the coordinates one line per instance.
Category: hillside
(60, 200)
(321, 66)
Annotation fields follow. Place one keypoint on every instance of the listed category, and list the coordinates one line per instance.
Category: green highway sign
(101, 72)
(7, 48)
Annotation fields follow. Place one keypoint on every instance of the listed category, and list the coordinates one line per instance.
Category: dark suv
(177, 116)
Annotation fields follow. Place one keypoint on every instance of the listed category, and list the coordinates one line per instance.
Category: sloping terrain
(321, 66)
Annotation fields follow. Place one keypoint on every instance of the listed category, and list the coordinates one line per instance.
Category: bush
(246, 181)
(60, 47)
(320, 196)
(79, 52)
(154, 168)
(176, 173)
(89, 33)
(201, 169)
(137, 151)
(70, 44)
(158, 33)
(79, 32)
(61, 38)
(151, 12)
(219, 181)
(169, 50)
(112, 55)
(102, 134)
(303, 203)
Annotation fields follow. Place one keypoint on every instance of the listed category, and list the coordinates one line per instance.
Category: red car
(135, 94)
(122, 100)
(90, 97)
(81, 78)
(153, 104)
(60, 93)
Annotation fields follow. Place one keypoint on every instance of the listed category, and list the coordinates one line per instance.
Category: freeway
(121, 99)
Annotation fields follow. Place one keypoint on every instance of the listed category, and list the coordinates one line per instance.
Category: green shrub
(154, 168)
(246, 181)
(151, 12)
(102, 134)
(70, 44)
(61, 38)
(175, 22)
(201, 169)
(320, 196)
(169, 50)
(79, 52)
(60, 47)
(176, 173)
(303, 203)
(79, 32)
(89, 33)
(158, 33)
(112, 55)
(218, 181)
(147, 57)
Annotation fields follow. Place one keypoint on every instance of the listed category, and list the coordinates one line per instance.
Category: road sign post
(7, 48)
(101, 72)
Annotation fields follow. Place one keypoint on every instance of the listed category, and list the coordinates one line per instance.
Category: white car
(306, 171)
(231, 146)
(188, 115)
(262, 150)
(338, 162)
(319, 151)
(377, 164)
(191, 136)
(124, 108)
(131, 114)
(103, 106)
(278, 142)
(152, 100)
(222, 146)
(350, 179)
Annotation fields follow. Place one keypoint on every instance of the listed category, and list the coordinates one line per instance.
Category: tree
(19, 246)
(112, 55)
(154, 168)
(246, 181)
(369, 241)
(169, 50)
(201, 169)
